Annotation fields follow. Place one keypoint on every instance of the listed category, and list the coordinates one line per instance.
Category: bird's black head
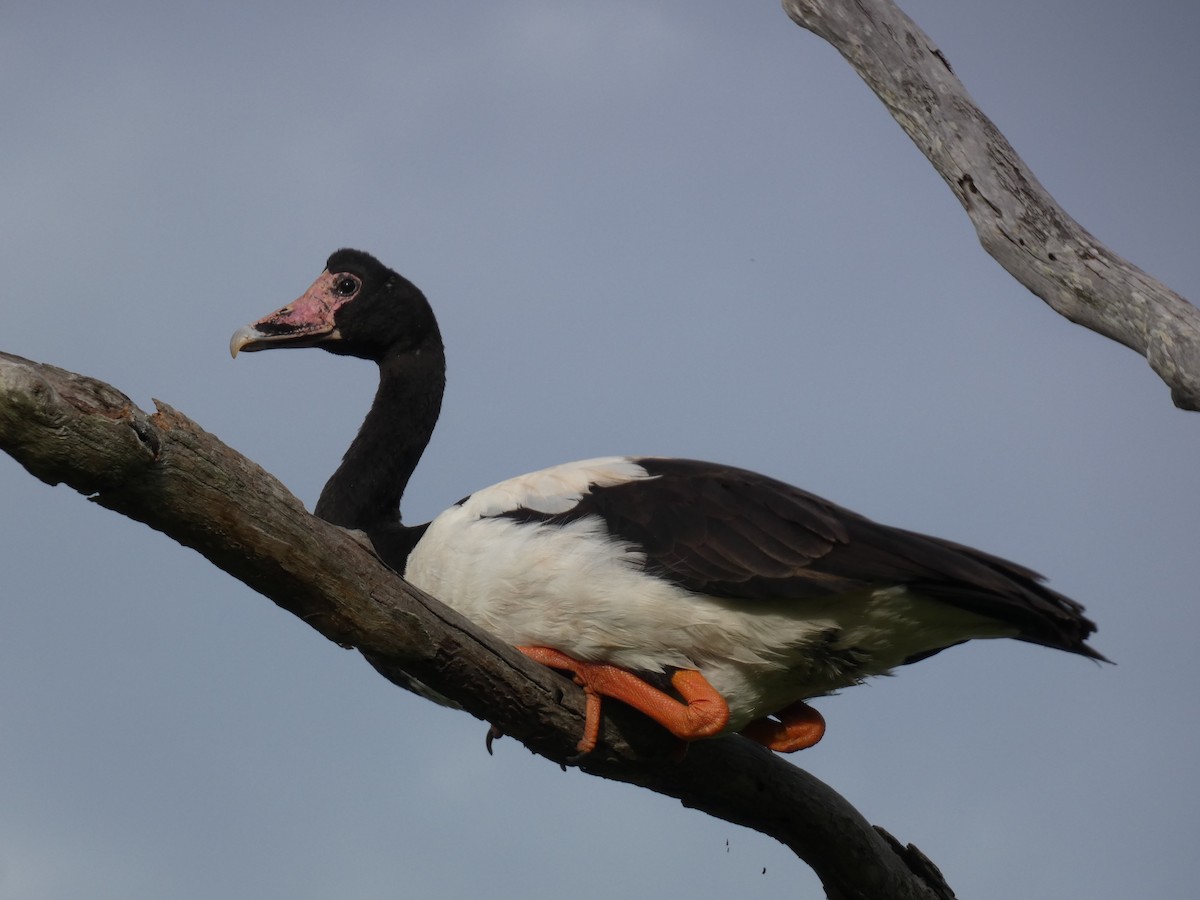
(356, 307)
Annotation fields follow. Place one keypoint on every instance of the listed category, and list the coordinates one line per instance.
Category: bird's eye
(345, 285)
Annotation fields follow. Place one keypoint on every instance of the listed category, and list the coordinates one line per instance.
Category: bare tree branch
(1018, 222)
(167, 472)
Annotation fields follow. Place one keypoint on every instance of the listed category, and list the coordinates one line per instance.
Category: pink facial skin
(310, 315)
(313, 310)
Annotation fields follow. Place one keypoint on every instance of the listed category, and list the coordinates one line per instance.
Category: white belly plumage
(575, 588)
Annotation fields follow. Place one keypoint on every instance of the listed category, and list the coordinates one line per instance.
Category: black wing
(732, 533)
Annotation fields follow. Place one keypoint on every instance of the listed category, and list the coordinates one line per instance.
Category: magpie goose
(710, 598)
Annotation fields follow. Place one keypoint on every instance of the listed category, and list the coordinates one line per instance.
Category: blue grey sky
(666, 228)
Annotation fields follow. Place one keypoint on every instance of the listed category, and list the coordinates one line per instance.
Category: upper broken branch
(1018, 222)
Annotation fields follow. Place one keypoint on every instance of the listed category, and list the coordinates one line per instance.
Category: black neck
(365, 491)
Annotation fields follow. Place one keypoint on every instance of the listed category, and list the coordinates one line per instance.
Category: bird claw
(493, 733)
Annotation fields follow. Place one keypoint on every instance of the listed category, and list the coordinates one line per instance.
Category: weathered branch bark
(1018, 222)
(165, 471)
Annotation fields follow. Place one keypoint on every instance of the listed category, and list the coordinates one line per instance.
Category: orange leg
(799, 727)
(703, 712)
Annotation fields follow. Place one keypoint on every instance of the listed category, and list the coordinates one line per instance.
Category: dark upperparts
(733, 533)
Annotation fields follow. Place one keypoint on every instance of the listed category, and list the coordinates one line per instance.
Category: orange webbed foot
(795, 727)
(702, 713)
